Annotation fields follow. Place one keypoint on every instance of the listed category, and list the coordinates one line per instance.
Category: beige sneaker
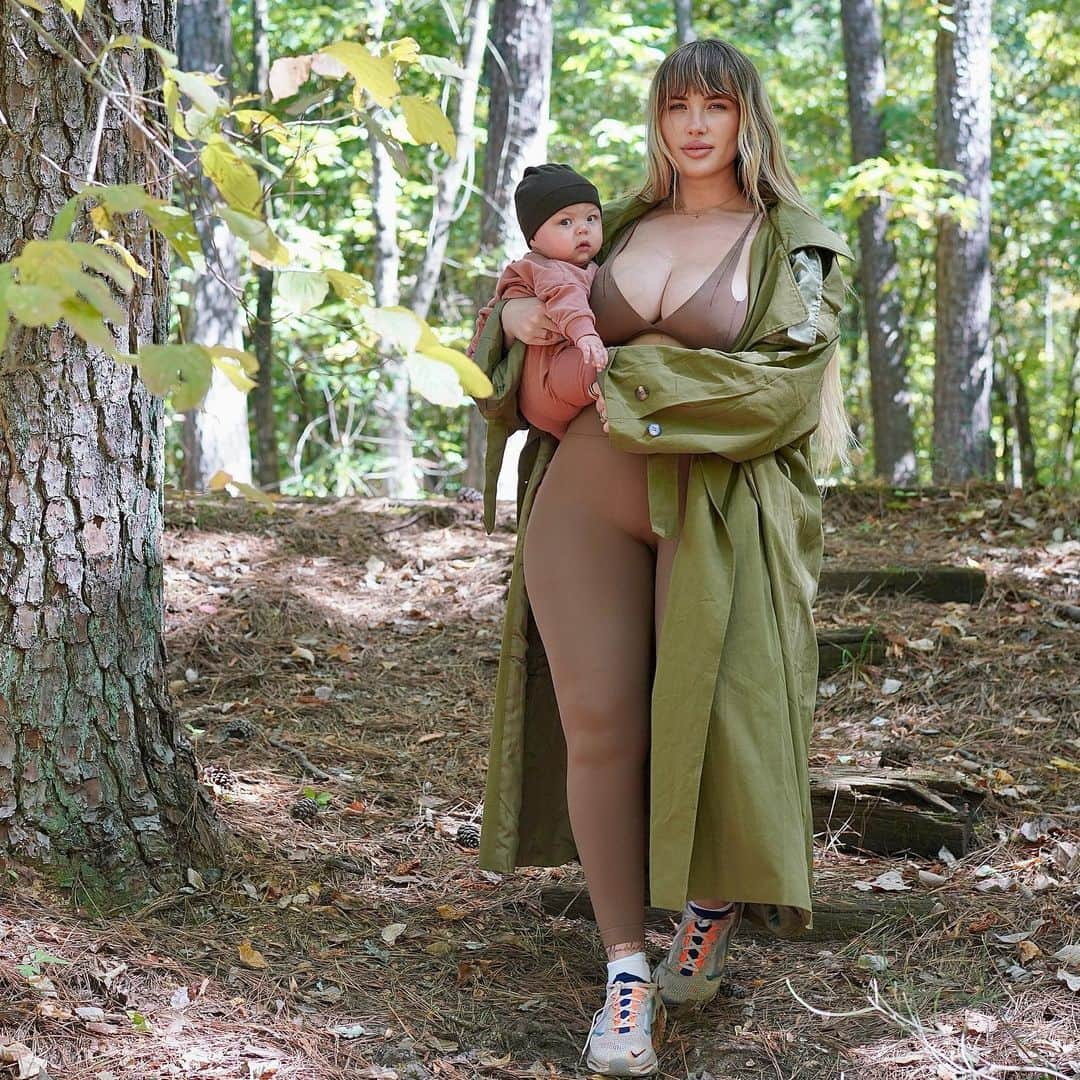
(689, 975)
(626, 1030)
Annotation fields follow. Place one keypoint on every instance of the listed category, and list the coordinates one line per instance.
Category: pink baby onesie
(555, 380)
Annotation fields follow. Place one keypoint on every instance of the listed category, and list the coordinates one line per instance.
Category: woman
(659, 664)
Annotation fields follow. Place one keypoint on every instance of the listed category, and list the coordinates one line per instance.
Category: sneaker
(626, 1029)
(690, 973)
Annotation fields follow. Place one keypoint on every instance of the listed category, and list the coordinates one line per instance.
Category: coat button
(653, 429)
(641, 393)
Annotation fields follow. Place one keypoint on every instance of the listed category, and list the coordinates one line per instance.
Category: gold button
(641, 393)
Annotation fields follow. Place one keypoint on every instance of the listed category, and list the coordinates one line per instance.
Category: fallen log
(835, 919)
(890, 811)
(839, 647)
(960, 584)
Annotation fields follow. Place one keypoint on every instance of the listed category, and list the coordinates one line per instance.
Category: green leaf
(439, 65)
(375, 74)
(85, 320)
(258, 235)
(199, 88)
(433, 381)
(183, 369)
(235, 178)
(34, 305)
(427, 122)
(65, 218)
(75, 6)
(302, 290)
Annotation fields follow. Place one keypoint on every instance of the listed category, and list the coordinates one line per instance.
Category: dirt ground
(344, 653)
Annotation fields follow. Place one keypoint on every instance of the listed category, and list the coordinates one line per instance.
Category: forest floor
(359, 638)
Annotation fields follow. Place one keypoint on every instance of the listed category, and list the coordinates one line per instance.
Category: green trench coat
(736, 664)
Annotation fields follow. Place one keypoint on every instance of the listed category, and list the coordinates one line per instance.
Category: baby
(559, 214)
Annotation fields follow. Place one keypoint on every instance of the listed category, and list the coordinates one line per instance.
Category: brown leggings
(597, 578)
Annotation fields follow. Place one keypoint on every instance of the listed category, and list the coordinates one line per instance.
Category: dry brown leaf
(250, 957)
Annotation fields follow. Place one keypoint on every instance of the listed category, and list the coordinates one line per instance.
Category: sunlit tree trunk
(890, 400)
(684, 21)
(216, 434)
(518, 73)
(96, 777)
(262, 332)
(393, 398)
(463, 116)
(963, 366)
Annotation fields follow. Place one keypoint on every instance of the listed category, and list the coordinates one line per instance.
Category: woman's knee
(604, 730)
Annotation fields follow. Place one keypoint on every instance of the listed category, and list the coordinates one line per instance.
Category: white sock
(634, 964)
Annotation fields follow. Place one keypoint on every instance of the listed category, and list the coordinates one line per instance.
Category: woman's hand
(601, 404)
(523, 319)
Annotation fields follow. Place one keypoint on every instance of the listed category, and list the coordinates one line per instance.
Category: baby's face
(572, 234)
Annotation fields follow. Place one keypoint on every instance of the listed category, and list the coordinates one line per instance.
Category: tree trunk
(393, 398)
(477, 20)
(684, 22)
(518, 73)
(215, 434)
(96, 777)
(963, 368)
(262, 333)
(890, 399)
(1023, 450)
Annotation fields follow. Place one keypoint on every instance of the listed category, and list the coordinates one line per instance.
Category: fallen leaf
(1069, 955)
(250, 957)
(890, 686)
(928, 877)
(1071, 981)
(303, 654)
(1028, 950)
(448, 911)
(392, 932)
(978, 1022)
(28, 1065)
(889, 881)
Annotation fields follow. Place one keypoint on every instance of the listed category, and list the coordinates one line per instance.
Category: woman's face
(701, 133)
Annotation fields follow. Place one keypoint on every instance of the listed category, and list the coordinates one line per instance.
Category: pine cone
(468, 835)
(218, 776)
(470, 494)
(239, 728)
(305, 810)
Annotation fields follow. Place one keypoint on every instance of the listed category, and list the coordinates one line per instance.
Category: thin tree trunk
(262, 333)
(890, 399)
(518, 73)
(449, 187)
(684, 21)
(95, 773)
(393, 399)
(1069, 417)
(963, 367)
(216, 434)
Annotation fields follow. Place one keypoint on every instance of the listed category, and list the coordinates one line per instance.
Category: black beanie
(544, 189)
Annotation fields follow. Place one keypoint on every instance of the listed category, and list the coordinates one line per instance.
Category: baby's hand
(593, 351)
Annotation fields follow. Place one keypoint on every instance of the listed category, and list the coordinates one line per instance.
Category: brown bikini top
(710, 319)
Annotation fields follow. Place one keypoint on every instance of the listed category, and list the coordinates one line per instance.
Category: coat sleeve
(741, 405)
(564, 292)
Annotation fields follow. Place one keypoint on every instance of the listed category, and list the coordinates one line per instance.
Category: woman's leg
(590, 585)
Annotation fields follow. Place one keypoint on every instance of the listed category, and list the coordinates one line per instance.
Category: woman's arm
(662, 399)
(524, 319)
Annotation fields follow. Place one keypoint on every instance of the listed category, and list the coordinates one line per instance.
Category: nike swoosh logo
(636, 1053)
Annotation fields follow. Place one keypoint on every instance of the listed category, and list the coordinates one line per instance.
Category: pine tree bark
(890, 400)
(262, 332)
(215, 434)
(95, 773)
(518, 73)
(684, 21)
(963, 368)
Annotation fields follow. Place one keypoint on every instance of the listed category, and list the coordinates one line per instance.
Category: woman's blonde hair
(711, 66)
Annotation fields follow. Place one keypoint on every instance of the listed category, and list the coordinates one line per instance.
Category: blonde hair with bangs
(712, 67)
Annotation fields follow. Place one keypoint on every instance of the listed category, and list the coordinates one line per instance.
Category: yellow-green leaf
(235, 178)
(258, 235)
(375, 74)
(199, 87)
(302, 290)
(184, 369)
(473, 380)
(86, 321)
(350, 287)
(235, 365)
(405, 50)
(131, 262)
(427, 122)
(34, 305)
(249, 491)
(77, 6)
(267, 123)
(219, 481)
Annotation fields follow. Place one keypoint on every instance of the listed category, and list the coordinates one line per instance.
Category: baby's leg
(554, 386)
